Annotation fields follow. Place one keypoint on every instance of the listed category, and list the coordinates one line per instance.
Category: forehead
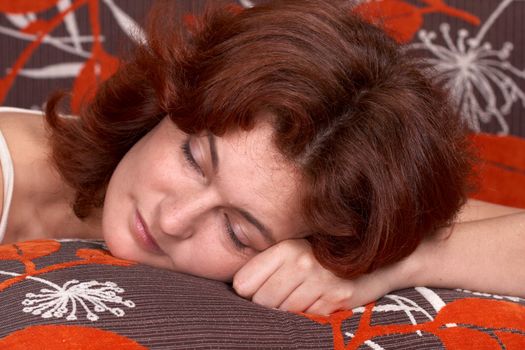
(255, 176)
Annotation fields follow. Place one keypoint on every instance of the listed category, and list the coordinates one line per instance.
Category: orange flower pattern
(441, 318)
(25, 252)
(462, 324)
(67, 338)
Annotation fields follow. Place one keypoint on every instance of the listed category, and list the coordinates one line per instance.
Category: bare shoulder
(25, 136)
(21, 123)
(478, 210)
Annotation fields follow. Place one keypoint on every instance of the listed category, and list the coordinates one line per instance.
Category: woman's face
(201, 204)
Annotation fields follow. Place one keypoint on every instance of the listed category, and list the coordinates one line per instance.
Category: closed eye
(233, 236)
(186, 151)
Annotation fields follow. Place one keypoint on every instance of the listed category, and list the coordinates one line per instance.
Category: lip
(145, 239)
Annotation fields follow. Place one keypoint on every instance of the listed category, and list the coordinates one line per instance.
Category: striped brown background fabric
(488, 78)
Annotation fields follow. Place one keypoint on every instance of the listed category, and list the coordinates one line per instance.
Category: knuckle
(342, 296)
(305, 262)
(282, 247)
(320, 308)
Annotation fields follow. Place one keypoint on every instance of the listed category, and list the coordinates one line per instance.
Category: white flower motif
(480, 78)
(55, 302)
(407, 306)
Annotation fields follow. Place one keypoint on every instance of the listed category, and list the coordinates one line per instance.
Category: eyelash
(238, 244)
(186, 151)
(189, 157)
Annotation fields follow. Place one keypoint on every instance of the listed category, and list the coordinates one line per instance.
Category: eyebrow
(213, 152)
(265, 231)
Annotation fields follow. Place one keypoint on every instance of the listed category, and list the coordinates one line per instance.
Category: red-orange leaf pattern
(473, 311)
(466, 339)
(512, 341)
(36, 27)
(28, 250)
(9, 252)
(399, 19)
(402, 20)
(36, 249)
(53, 337)
(501, 171)
(21, 6)
(25, 252)
(508, 150)
(470, 312)
(7, 81)
(97, 69)
(98, 256)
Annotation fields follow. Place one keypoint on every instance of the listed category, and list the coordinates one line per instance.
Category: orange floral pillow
(501, 171)
(74, 295)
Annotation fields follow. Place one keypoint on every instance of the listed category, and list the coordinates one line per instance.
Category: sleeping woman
(292, 149)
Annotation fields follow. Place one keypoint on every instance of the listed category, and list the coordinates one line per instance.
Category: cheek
(118, 208)
(206, 258)
(115, 226)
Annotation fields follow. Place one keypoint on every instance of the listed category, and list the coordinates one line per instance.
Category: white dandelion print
(92, 297)
(480, 78)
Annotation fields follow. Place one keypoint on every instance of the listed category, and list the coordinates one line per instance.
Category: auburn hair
(384, 158)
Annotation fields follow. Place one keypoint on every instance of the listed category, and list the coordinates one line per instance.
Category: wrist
(405, 273)
(427, 260)
(418, 268)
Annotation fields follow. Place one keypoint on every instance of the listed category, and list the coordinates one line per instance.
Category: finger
(322, 307)
(256, 272)
(302, 298)
(341, 296)
(278, 287)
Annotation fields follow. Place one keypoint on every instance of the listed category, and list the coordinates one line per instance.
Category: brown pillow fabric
(75, 295)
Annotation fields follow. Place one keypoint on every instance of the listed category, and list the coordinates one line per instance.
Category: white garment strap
(8, 170)
(20, 110)
(9, 177)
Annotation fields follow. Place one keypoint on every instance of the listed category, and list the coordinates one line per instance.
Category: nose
(181, 215)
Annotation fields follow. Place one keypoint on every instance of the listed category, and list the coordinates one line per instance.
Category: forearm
(474, 210)
(485, 255)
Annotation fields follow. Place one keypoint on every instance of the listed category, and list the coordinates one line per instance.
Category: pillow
(72, 294)
(501, 169)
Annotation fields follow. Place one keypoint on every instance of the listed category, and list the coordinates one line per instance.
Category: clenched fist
(287, 276)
